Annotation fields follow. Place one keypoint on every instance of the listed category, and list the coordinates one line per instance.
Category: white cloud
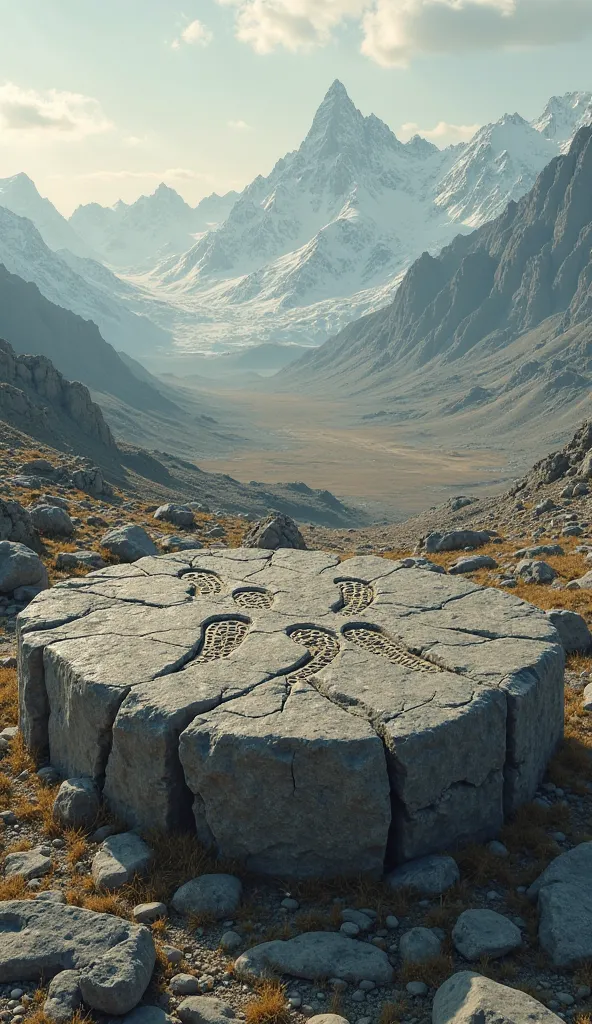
(26, 113)
(293, 24)
(443, 134)
(395, 31)
(194, 34)
(239, 126)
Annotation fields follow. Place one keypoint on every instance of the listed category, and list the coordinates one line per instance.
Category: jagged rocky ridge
(34, 393)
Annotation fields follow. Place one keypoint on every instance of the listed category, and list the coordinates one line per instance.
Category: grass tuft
(269, 1006)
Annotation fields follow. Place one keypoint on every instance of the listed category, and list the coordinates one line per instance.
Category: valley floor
(390, 470)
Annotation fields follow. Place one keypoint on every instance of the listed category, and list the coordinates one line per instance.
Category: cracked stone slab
(196, 686)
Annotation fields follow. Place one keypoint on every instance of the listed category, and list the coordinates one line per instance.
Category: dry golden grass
(392, 1013)
(177, 858)
(335, 1004)
(76, 845)
(8, 697)
(269, 1005)
(14, 889)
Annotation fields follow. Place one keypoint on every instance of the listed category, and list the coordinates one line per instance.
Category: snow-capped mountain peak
(563, 116)
(19, 195)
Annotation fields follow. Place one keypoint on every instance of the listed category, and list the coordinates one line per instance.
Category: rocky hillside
(31, 323)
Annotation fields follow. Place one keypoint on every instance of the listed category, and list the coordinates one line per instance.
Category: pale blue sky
(101, 99)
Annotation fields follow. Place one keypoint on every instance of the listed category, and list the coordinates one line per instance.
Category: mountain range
(154, 227)
(299, 254)
(326, 237)
(496, 329)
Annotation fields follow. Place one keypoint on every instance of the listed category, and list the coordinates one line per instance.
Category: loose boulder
(276, 531)
(114, 959)
(572, 628)
(472, 564)
(51, 521)
(480, 933)
(79, 560)
(535, 572)
(205, 1010)
(219, 895)
(77, 803)
(16, 524)
(63, 997)
(178, 515)
(419, 945)
(469, 998)
(119, 859)
(431, 876)
(456, 540)
(27, 864)
(20, 567)
(318, 955)
(129, 543)
(564, 894)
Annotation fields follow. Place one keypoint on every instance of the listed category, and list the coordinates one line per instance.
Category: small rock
(145, 913)
(129, 543)
(290, 904)
(416, 988)
(184, 985)
(572, 628)
(204, 1010)
(276, 531)
(349, 928)
(473, 564)
(77, 803)
(498, 849)
(230, 941)
(431, 875)
(535, 572)
(392, 922)
(469, 998)
(480, 933)
(27, 864)
(419, 945)
(209, 894)
(119, 859)
(63, 997)
(173, 955)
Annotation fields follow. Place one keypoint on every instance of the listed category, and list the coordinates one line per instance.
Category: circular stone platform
(307, 717)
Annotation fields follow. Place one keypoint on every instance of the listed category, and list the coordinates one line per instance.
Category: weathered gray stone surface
(469, 998)
(430, 876)
(129, 543)
(77, 803)
(419, 945)
(472, 564)
(178, 515)
(119, 859)
(205, 1010)
(456, 540)
(236, 689)
(276, 531)
(16, 524)
(63, 997)
(114, 958)
(572, 628)
(219, 895)
(20, 567)
(318, 955)
(480, 933)
(51, 521)
(27, 864)
(79, 559)
(145, 913)
(532, 571)
(564, 894)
